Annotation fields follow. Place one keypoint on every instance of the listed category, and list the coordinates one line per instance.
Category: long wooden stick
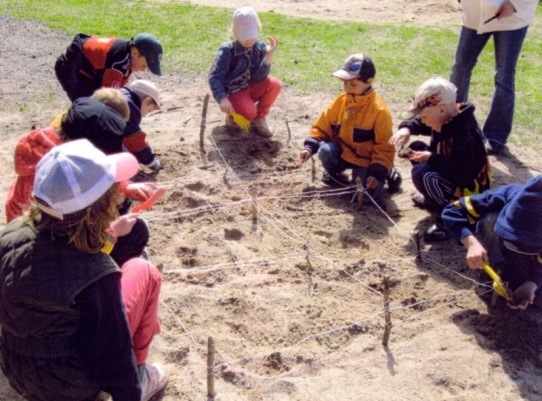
(387, 314)
(417, 243)
(289, 133)
(203, 122)
(210, 369)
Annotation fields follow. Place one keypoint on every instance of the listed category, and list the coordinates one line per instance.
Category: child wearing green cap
(92, 62)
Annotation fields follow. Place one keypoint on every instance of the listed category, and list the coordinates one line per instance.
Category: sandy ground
(291, 290)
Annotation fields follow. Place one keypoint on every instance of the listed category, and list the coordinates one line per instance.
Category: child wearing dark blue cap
(503, 228)
(352, 133)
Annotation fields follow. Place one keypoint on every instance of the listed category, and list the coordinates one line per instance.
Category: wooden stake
(210, 369)
(313, 169)
(254, 209)
(203, 122)
(416, 238)
(309, 268)
(289, 133)
(360, 193)
(387, 314)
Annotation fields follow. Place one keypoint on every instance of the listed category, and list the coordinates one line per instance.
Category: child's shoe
(334, 179)
(259, 127)
(153, 378)
(394, 180)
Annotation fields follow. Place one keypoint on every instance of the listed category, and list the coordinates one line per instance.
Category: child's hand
(304, 155)
(372, 183)
(140, 191)
(420, 157)
(523, 296)
(400, 138)
(225, 106)
(272, 44)
(476, 253)
(124, 224)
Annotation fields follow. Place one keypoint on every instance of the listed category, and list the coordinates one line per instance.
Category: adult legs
(469, 46)
(498, 124)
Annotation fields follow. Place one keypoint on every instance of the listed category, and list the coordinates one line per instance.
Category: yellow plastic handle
(498, 286)
(240, 120)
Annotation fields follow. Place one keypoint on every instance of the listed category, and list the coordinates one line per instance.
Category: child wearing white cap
(455, 162)
(77, 322)
(143, 97)
(239, 78)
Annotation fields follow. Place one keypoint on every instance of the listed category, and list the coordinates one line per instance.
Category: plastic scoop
(498, 286)
(240, 120)
(151, 201)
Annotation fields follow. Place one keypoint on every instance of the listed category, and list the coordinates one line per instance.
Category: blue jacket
(235, 68)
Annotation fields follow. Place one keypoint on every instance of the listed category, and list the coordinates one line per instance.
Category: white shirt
(475, 12)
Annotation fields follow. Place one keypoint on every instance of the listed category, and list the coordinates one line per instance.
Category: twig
(387, 314)
(416, 238)
(210, 368)
(203, 121)
(289, 133)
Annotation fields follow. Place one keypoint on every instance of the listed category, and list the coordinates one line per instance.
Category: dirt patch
(291, 290)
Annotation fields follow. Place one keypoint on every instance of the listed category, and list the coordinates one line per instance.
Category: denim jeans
(498, 124)
(330, 157)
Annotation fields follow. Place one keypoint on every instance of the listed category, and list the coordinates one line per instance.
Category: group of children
(86, 325)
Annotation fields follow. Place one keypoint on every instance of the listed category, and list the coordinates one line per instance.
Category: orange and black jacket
(92, 62)
(362, 125)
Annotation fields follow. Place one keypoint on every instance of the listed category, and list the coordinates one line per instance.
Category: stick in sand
(210, 368)
(387, 314)
(203, 120)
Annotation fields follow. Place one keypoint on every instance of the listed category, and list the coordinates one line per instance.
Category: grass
(310, 50)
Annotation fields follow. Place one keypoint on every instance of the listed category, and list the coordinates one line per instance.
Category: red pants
(141, 283)
(255, 101)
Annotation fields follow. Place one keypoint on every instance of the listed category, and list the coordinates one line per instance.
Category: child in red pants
(239, 77)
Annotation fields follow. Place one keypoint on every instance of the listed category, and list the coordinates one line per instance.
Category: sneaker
(394, 180)
(153, 379)
(420, 201)
(493, 148)
(436, 233)
(334, 179)
(259, 127)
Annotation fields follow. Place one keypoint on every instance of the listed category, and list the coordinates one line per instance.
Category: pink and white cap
(74, 175)
(246, 24)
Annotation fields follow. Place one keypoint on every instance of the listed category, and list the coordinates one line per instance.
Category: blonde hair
(84, 229)
(113, 99)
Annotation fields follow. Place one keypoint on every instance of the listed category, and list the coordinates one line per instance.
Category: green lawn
(310, 50)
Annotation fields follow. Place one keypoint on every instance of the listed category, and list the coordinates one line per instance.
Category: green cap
(151, 48)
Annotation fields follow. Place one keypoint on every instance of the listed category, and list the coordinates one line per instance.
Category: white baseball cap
(147, 88)
(246, 24)
(74, 175)
(433, 92)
